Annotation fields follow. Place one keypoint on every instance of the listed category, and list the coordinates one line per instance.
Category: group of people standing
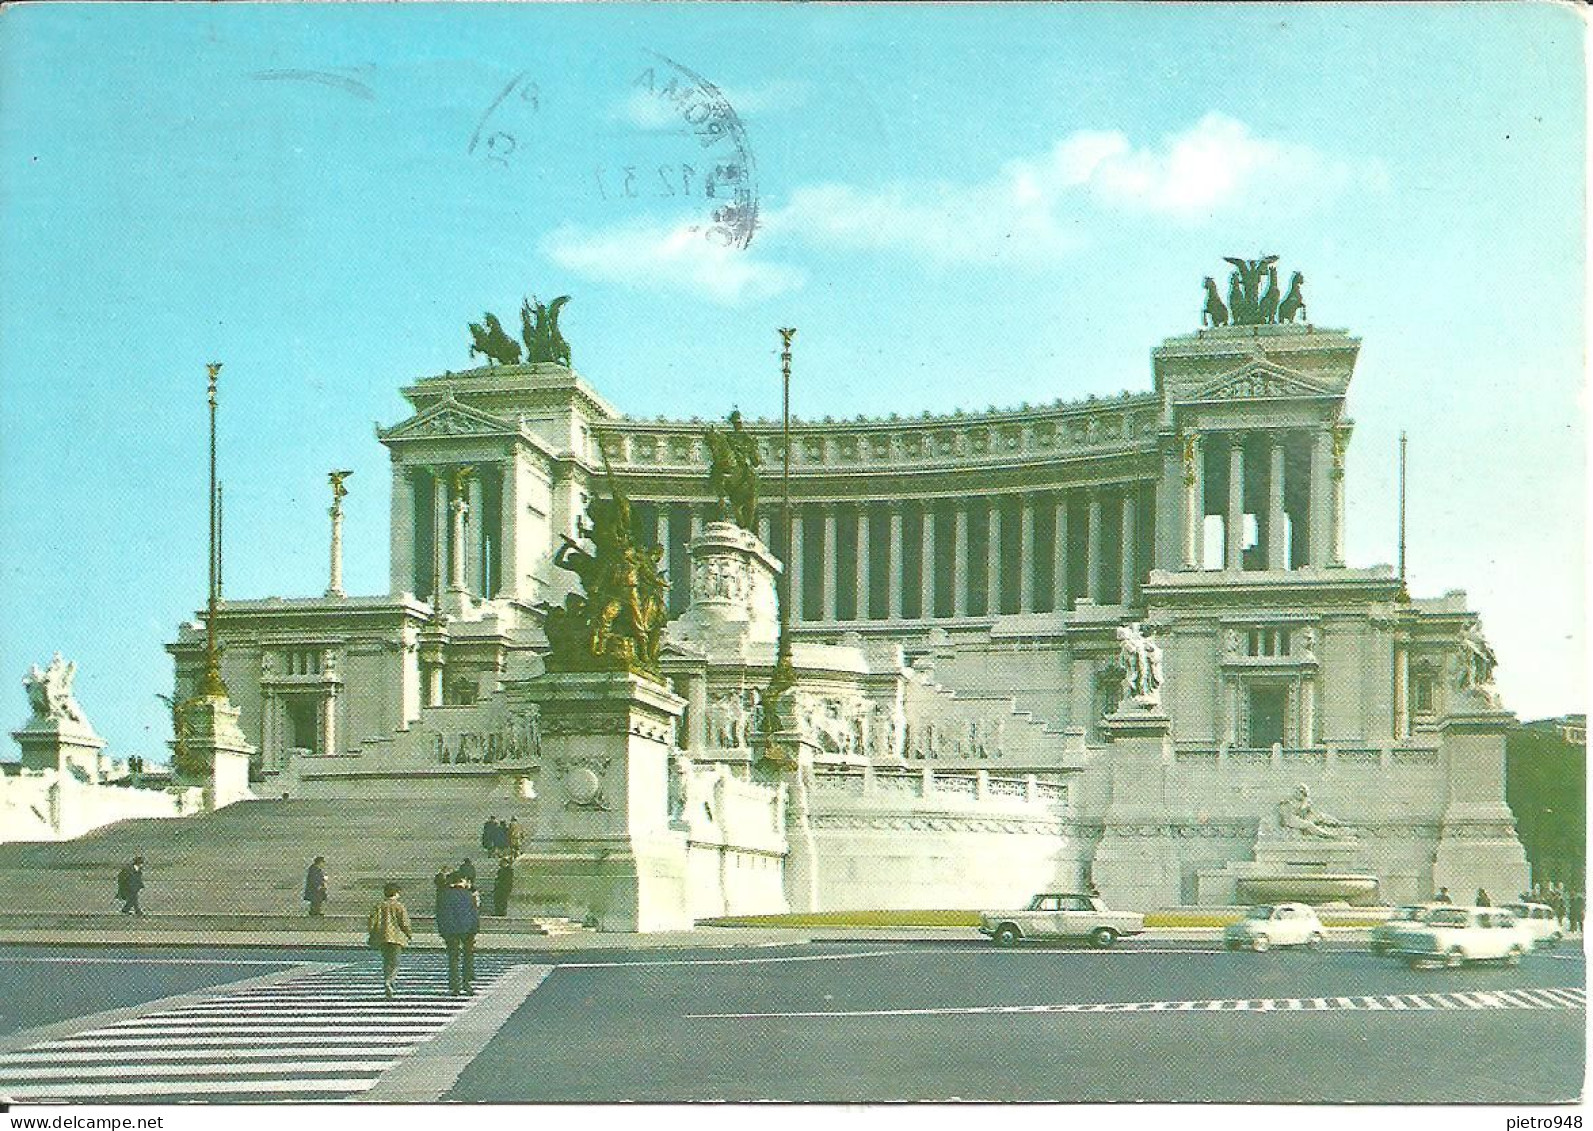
(1569, 906)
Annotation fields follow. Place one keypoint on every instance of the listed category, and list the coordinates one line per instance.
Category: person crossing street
(458, 920)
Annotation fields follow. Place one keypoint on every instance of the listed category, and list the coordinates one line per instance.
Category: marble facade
(958, 584)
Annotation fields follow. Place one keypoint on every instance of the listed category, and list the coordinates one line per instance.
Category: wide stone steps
(250, 858)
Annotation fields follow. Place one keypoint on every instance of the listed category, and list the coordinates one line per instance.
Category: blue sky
(959, 207)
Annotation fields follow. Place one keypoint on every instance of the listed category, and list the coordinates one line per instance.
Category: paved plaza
(1152, 1020)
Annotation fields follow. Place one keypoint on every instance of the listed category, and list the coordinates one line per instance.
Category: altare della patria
(918, 662)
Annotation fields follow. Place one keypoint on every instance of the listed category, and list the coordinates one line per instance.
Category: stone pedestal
(1477, 843)
(788, 757)
(217, 753)
(734, 609)
(69, 747)
(601, 845)
(1136, 865)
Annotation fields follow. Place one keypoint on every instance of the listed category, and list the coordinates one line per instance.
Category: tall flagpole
(783, 677)
(212, 685)
(1402, 510)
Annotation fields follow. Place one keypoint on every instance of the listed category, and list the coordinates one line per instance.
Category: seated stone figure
(1297, 814)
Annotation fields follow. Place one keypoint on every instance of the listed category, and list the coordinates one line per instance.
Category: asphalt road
(859, 1022)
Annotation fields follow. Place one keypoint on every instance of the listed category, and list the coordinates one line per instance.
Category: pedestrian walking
(489, 834)
(468, 871)
(513, 838)
(389, 933)
(440, 881)
(1555, 898)
(1442, 896)
(315, 886)
(1482, 898)
(129, 883)
(458, 920)
(1576, 905)
(502, 887)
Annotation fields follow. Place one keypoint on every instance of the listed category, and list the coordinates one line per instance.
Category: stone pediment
(449, 418)
(1260, 379)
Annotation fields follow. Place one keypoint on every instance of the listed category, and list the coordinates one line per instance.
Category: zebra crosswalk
(1568, 997)
(327, 1035)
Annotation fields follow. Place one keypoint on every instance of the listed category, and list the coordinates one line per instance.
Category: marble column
(1340, 440)
(439, 529)
(661, 533)
(1308, 712)
(1093, 550)
(794, 586)
(1026, 555)
(897, 574)
(764, 529)
(456, 546)
(1059, 555)
(830, 563)
(959, 563)
(334, 586)
(401, 544)
(864, 564)
(1277, 535)
(993, 558)
(509, 529)
(1130, 558)
(1194, 502)
(926, 563)
(697, 520)
(434, 685)
(328, 721)
(1401, 693)
(1318, 519)
(1234, 525)
(476, 556)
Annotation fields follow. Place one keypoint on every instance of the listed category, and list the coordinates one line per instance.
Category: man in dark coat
(458, 920)
(1576, 906)
(468, 871)
(502, 887)
(315, 886)
(489, 835)
(129, 882)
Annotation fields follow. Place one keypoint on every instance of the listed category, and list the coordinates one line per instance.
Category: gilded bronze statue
(490, 341)
(539, 326)
(617, 622)
(733, 472)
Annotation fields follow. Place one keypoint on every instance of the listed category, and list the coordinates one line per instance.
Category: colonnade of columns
(452, 541)
(923, 559)
(1288, 482)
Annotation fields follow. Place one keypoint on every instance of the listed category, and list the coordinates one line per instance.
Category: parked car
(1403, 918)
(1061, 915)
(1540, 922)
(1275, 924)
(1454, 935)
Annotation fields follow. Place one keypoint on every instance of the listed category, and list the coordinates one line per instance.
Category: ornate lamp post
(212, 686)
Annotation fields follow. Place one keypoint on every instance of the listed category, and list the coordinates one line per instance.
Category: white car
(1275, 924)
(1454, 935)
(1539, 921)
(1404, 918)
(1061, 915)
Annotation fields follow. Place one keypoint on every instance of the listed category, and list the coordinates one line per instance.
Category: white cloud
(649, 110)
(1038, 208)
(670, 255)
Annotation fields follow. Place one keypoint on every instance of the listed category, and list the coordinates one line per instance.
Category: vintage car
(1540, 922)
(1451, 936)
(1275, 924)
(1061, 915)
(1408, 915)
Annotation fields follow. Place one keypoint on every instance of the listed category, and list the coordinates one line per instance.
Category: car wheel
(1006, 935)
(1260, 943)
(1514, 957)
(1103, 937)
(1315, 941)
(1455, 958)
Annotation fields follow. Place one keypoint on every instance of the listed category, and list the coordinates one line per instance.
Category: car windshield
(1449, 917)
(1519, 910)
(1412, 914)
(1264, 911)
(1038, 903)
